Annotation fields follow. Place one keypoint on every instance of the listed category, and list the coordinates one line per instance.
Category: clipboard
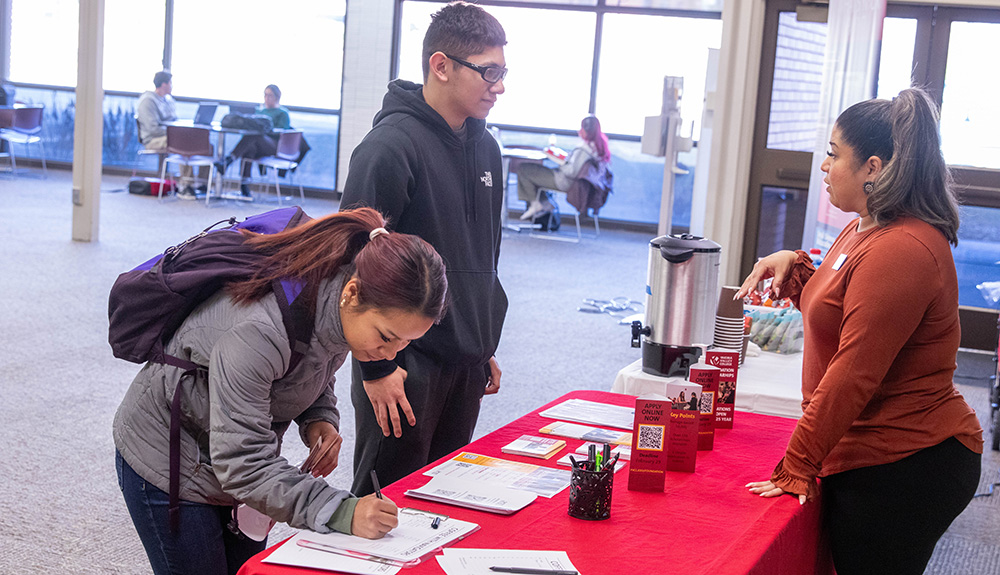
(407, 545)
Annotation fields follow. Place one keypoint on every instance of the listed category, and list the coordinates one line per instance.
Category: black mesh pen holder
(590, 494)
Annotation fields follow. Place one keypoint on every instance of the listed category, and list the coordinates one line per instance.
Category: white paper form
(479, 561)
(473, 495)
(593, 413)
(407, 544)
(291, 553)
(482, 469)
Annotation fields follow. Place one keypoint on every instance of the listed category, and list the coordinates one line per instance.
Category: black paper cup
(590, 494)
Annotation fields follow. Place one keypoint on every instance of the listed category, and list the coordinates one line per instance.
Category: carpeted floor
(60, 507)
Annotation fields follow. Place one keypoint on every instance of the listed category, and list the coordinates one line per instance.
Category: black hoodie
(429, 181)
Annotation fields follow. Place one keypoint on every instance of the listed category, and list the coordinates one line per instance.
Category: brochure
(587, 433)
(474, 495)
(593, 413)
(544, 481)
(532, 446)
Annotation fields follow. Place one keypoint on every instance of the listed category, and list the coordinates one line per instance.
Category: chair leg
(163, 176)
(576, 216)
(208, 186)
(13, 160)
(291, 180)
(45, 170)
(277, 186)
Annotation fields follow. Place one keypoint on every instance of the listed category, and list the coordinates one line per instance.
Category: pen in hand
(378, 489)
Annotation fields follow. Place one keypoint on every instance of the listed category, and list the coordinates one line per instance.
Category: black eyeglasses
(491, 74)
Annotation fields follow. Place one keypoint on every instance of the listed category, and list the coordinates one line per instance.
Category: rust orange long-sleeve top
(881, 336)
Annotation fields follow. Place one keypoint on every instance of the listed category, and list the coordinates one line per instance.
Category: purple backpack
(149, 303)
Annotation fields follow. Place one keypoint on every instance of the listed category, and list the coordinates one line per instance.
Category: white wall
(367, 63)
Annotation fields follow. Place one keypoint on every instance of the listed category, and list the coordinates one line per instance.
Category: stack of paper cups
(729, 327)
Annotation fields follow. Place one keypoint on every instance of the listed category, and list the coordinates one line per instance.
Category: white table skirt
(770, 384)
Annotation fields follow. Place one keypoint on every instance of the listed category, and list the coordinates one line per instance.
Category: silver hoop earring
(869, 188)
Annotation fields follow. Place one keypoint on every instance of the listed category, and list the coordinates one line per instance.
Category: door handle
(793, 174)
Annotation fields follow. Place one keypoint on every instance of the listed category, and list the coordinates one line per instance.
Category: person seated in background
(253, 146)
(155, 110)
(531, 177)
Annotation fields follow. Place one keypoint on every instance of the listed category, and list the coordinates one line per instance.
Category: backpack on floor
(549, 220)
(149, 303)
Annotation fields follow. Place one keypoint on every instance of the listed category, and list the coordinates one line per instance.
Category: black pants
(253, 146)
(886, 519)
(445, 400)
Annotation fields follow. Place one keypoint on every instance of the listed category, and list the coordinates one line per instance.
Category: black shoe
(201, 189)
(223, 164)
(245, 190)
(186, 194)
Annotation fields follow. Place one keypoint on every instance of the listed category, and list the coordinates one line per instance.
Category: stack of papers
(408, 544)
(479, 561)
(592, 412)
(532, 446)
(586, 432)
(484, 470)
(474, 495)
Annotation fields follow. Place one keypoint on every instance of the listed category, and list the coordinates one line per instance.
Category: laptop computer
(244, 109)
(205, 113)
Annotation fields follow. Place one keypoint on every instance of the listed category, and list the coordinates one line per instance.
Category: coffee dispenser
(682, 291)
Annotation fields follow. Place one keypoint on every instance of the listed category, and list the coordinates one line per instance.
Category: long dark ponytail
(915, 180)
(398, 271)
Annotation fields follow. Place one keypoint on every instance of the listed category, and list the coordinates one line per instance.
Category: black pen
(573, 461)
(611, 464)
(607, 453)
(435, 523)
(378, 490)
(592, 457)
(533, 571)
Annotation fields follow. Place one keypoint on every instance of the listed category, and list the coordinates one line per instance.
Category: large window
(970, 117)
(896, 57)
(637, 51)
(232, 50)
(133, 44)
(220, 50)
(43, 39)
(551, 52)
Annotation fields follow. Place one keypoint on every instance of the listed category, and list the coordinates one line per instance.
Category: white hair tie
(377, 232)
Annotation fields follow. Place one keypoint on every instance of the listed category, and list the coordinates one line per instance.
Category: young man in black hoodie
(431, 167)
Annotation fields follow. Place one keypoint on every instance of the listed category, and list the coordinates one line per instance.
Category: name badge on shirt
(840, 261)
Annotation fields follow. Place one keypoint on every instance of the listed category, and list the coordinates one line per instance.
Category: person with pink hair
(532, 177)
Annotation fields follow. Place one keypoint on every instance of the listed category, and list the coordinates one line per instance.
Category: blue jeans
(203, 545)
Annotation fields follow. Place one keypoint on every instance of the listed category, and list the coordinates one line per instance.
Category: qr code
(650, 437)
(705, 406)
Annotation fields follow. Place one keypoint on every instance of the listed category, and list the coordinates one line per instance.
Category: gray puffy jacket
(233, 420)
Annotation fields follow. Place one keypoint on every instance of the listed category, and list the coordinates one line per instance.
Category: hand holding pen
(374, 515)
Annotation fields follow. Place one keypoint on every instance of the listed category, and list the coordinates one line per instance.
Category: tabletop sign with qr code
(647, 468)
(707, 376)
(729, 364)
(682, 433)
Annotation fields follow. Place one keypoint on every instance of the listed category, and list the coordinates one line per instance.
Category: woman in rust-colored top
(897, 446)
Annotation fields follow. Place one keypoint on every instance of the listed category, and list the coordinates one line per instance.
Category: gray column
(89, 129)
(367, 64)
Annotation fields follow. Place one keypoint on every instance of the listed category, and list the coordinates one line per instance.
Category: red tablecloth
(704, 522)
